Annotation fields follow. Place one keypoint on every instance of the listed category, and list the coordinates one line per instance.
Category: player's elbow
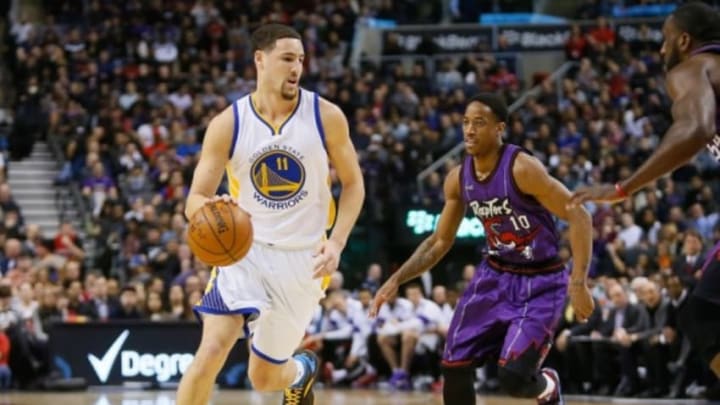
(578, 216)
(442, 243)
(356, 184)
(698, 132)
(360, 186)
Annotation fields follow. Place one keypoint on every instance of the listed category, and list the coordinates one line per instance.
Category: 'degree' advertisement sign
(145, 352)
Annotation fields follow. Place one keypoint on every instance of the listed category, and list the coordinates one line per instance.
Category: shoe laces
(293, 396)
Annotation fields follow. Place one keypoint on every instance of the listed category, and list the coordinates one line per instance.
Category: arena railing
(78, 201)
(557, 77)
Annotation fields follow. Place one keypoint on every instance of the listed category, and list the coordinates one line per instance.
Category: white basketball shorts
(274, 289)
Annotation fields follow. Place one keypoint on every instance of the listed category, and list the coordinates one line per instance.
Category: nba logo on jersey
(278, 176)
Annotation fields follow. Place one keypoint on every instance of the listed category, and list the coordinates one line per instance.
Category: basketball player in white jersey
(276, 146)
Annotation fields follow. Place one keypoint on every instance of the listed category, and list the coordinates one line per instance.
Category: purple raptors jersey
(520, 233)
(713, 145)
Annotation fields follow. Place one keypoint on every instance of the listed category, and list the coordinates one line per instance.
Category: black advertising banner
(517, 37)
(437, 40)
(113, 353)
(635, 31)
(533, 37)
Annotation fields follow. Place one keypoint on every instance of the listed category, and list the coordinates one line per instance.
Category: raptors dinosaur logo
(500, 241)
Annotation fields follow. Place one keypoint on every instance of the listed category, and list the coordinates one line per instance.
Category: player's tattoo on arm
(425, 256)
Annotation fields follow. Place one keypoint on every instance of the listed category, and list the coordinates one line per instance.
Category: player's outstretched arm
(693, 113)
(345, 160)
(433, 248)
(532, 179)
(214, 156)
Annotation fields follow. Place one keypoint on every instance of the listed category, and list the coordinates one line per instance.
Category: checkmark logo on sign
(102, 366)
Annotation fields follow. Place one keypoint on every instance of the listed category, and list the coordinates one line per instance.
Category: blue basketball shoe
(302, 393)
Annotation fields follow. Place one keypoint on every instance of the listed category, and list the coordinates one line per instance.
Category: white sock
(549, 387)
(338, 375)
(299, 373)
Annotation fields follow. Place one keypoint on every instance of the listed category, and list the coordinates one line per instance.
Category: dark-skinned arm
(532, 179)
(693, 113)
(435, 246)
(432, 249)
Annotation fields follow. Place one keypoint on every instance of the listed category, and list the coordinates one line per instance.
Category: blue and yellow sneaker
(302, 393)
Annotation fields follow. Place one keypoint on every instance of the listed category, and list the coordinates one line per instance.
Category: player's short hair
(699, 20)
(264, 38)
(494, 102)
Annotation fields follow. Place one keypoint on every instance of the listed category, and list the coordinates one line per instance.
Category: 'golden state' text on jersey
(280, 174)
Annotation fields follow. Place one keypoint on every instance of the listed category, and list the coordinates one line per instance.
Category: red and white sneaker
(555, 397)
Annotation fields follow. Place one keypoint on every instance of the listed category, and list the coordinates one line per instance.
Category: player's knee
(515, 383)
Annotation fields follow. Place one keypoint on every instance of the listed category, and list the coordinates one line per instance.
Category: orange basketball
(220, 233)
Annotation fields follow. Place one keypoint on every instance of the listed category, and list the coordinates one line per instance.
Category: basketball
(220, 233)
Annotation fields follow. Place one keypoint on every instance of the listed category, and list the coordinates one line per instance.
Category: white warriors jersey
(280, 175)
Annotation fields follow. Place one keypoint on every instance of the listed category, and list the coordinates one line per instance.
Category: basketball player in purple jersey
(514, 301)
(691, 53)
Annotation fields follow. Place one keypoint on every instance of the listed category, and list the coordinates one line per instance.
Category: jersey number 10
(520, 222)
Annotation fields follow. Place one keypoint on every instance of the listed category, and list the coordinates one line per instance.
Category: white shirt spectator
(182, 101)
(147, 136)
(22, 31)
(447, 313)
(631, 236)
(339, 325)
(631, 233)
(391, 316)
(429, 314)
(165, 52)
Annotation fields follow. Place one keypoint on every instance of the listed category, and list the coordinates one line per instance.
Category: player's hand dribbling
(194, 206)
(387, 291)
(327, 258)
(225, 198)
(581, 300)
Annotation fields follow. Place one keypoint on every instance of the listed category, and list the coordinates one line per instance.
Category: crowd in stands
(128, 88)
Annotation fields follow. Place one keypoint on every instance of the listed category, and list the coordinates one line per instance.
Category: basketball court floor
(323, 397)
